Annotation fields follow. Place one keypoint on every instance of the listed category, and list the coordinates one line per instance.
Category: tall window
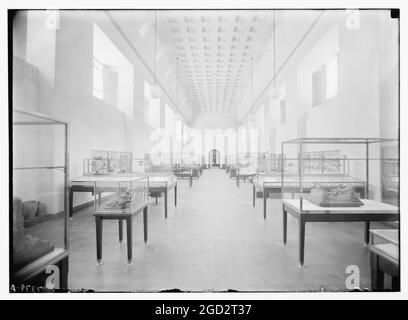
(282, 106)
(331, 78)
(325, 82)
(97, 79)
(152, 107)
(319, 87)
(112, 73)
(169, 120)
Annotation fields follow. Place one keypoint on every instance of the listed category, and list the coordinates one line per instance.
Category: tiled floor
(215, 240)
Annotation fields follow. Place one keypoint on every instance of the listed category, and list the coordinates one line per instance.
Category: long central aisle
(215, 240)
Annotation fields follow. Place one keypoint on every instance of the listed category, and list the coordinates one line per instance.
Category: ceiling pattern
(214, 49)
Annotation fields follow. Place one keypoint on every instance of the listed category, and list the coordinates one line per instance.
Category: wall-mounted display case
(107, 162)
(324, 162)
(39, 208)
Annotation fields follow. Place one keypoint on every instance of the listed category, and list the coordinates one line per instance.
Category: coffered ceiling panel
(214, 49)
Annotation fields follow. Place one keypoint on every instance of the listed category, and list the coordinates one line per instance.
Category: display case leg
(145, 224)
(285, 224)
(367, 232)
(98, 223)
(165, 204)
(64, 268)
(379, 285)
(373, 269)
(129, 230)
(395, 283)
(175, 195)
(264, 204)
(71, 202)
(120, 223)
(253, 195)
(302, 226)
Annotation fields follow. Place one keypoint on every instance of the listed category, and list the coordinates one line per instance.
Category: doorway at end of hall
(214, 158)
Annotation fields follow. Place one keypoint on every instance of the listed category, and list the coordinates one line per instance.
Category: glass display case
(180, 164)
(275, 162)
(107, 162)
(334, 196)
(155, 173)
(116, 193)
(390, 174)
(39, 215)
(160, 181)
(225, 163)
(264, 163)
(158, 162)
(140, 165)
(324, 162)
(247, 162)
(198, 164)
(314, 163)
(183, 163)
(232, 165)
(330, 170)
(121, 194)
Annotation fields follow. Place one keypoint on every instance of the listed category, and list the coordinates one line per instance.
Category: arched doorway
(214, 158)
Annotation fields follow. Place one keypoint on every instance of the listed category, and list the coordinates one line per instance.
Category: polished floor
(214, 240)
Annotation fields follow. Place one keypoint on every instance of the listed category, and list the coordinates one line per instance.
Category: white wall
(367, 83)
(214, 120)
(366, 104)
(64, 90)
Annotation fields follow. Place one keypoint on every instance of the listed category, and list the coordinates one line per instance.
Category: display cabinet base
(35, 274)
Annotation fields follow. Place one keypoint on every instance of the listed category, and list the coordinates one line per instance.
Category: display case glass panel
(390, 165)
(183, 163)
(121, 194)
(264, 163)
(324, 162)
(161, 179)
(247, 162)
(40, 169)
(107, 162)
(348, 169)
(232, 160)
(158, 162)
(160, 174)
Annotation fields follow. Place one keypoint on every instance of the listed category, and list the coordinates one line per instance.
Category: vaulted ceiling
(214, 50)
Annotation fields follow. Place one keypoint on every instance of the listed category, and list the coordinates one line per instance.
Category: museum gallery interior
(205, 150)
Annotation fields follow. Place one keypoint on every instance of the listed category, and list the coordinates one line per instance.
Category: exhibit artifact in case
(120, 193)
